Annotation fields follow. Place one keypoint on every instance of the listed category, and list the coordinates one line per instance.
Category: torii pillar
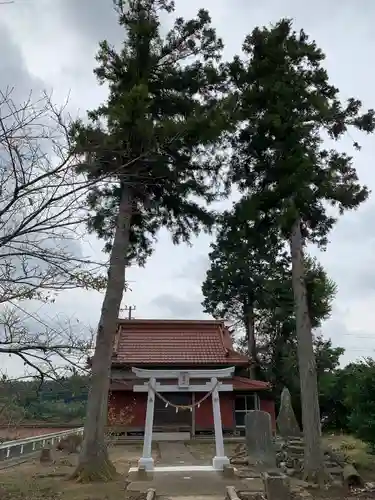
(220, 459)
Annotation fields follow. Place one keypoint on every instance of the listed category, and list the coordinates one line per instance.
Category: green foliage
(278, 353)
(360, 398)
(347, 397)
(245, 267)
(282, 367)
(159, 131)
(249, 268)
(287, 106)
(333, 406)
(61, 401)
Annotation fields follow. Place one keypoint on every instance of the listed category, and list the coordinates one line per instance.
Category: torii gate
(214, 386)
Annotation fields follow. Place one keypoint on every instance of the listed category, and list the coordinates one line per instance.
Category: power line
(129, 309)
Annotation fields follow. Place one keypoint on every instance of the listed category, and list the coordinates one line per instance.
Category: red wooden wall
(269, 406)
(204, 418)
(137, 401)
(118, 400)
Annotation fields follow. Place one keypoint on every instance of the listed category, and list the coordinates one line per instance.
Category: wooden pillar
(146, 460)
(257, 401)
(193, 414)
(219, 460)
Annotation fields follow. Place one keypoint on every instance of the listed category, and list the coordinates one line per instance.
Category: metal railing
(21, 447)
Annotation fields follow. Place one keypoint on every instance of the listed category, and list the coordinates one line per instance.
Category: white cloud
(57, 41)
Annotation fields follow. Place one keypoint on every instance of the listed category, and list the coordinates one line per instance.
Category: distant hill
(52, 402)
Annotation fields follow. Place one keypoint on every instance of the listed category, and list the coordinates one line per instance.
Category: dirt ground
(353, 449)
(33, 481)
(206, 450)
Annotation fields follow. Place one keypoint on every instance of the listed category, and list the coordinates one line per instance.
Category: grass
(354, 450)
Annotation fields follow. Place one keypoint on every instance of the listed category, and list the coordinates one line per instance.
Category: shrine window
(243, 404)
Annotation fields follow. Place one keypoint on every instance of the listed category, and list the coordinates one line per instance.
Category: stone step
(297, 444)
(331, 463)
(293, 450)
(195, 497)
(335, 471)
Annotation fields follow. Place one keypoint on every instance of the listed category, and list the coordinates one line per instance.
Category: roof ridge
(228, 350)
(221, 333)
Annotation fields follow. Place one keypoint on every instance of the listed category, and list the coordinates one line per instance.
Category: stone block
(296, 450)
(276, 486)
(250, 495)
(259, 442)
(150, 494)
(228, 471)
(231, 493)
(142, 473)
(45, 456)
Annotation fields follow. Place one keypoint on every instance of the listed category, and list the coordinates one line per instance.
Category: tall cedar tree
(276, 329)
(249, 282)
(152, 146)
(245, 267)
(287, 106)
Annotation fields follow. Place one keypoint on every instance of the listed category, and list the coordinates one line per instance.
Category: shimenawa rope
(183, 407)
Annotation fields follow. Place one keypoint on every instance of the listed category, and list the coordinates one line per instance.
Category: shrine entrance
(179, 381)
(165, 416)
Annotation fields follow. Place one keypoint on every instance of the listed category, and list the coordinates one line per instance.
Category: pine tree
(288, 106)
(152, 153)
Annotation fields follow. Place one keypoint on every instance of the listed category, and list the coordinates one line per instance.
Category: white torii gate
(183, 378)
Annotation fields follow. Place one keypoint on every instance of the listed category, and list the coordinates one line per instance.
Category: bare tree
(47, 349)
(42, 204)
(42, 221)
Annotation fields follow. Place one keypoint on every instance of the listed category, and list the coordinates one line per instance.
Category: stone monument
(286, 421)
(276, 486)
(259, 443)
(45, 456)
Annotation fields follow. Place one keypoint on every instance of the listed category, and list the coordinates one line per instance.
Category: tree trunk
(251, 342)
(94, 463)
(314, 459)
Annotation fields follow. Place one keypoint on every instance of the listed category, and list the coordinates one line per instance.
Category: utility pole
(129, 309)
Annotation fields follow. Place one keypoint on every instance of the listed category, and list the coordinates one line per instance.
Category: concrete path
(188, 485)
(192, 484)
(176, 453)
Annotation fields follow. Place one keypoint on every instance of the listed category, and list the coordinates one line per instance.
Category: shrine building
(192, 353)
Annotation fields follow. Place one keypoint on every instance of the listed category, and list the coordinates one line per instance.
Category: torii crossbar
(183, 376)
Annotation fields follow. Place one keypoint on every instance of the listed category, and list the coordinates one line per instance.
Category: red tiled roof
(246, 384)
(239, 384)
(175, 342)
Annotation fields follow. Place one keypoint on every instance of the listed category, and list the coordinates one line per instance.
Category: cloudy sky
(51, 44)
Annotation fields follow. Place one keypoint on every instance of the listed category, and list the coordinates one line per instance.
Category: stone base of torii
(214, 386)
